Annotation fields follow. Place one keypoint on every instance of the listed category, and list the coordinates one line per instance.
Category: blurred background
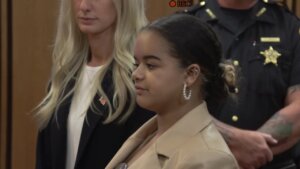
(27, 32)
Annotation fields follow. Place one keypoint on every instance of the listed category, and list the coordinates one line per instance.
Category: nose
(84, 5)
(137, 74)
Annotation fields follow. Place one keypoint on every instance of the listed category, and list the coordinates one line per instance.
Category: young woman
(90, 107)
(178, 68)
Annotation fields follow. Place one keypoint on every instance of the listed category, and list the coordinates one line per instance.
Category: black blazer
(98, 142)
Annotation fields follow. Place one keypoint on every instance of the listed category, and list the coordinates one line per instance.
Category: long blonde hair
(71, 51)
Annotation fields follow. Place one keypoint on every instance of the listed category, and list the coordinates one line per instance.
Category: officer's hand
(250, 148)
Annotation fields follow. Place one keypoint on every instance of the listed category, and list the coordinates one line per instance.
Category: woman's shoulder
(209, 149)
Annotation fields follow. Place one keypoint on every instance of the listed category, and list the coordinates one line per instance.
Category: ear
(192, 74)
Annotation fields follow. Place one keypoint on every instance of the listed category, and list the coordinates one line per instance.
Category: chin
(87, 29)
(145, 104)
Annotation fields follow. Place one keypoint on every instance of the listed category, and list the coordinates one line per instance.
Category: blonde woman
(89, 109)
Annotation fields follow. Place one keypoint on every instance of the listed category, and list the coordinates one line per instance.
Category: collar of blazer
(186, 127)
(97, 114)
(59, 121)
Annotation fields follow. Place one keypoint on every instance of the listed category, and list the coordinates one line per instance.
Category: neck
(101, 46)
(237, 4)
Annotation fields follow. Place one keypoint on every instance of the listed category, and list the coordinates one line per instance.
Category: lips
(139, 89)
(86, 20)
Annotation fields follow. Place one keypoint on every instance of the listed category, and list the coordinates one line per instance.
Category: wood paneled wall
(3, 85)
(158, 8)
(27, 30)
(33, 26)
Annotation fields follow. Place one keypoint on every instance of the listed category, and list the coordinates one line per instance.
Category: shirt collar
(261, 12)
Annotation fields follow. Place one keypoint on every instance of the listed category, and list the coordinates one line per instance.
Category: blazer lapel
(149, 160)
(90, 122)
(59, 127)
(94, 115)
(186, 127)
(127, 148)
(132, 143)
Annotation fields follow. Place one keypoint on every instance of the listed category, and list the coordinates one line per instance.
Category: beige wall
(25, 55)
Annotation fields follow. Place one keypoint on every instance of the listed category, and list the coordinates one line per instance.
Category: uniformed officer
(263, 39)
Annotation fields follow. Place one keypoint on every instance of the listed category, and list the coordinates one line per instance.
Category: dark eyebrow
(148, 57)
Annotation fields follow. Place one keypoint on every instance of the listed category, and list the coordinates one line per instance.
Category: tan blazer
(193, 142)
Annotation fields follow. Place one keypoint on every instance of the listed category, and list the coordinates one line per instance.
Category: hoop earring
(186, 96)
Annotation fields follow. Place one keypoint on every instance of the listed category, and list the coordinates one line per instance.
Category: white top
(79, 106)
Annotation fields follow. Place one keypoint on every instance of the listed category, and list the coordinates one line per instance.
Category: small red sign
(172, 3)
(180, 3)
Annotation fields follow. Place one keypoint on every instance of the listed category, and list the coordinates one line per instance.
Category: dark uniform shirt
(266, 46)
